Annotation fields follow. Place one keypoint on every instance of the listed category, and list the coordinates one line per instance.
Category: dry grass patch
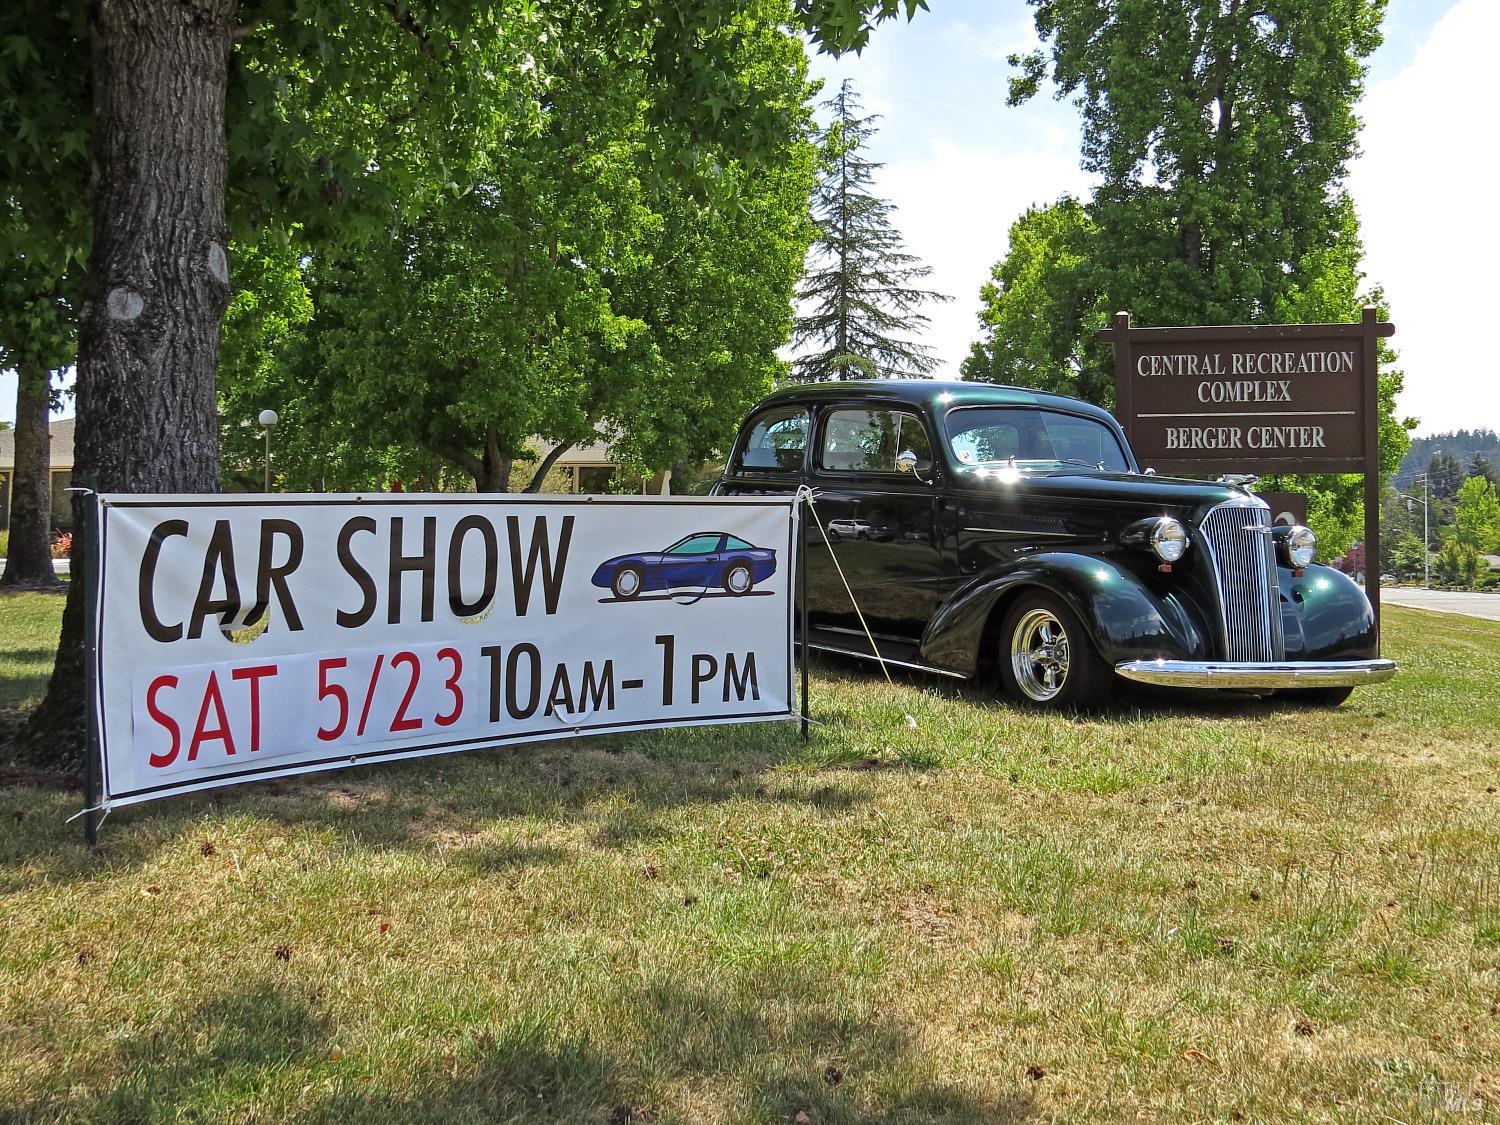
(1176, 911)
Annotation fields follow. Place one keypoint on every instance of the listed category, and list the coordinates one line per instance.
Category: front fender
(1325, 616)
(1125, 619)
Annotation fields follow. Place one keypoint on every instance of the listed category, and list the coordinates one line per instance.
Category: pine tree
(862, 306)
(1445, 474)
(1480, 466)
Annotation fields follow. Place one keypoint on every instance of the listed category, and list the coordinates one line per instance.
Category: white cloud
(1425, 189)
(996, 42)
(960, 165)
(955, 208)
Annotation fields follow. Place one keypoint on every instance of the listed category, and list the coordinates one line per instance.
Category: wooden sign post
(1263, 398)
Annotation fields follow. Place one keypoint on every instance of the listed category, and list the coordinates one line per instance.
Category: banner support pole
(802, 603)
(90, 576)
(1369, 333)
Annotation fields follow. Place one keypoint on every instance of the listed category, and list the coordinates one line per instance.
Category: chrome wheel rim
(739, 580)
(1039, 655)
(627, 583)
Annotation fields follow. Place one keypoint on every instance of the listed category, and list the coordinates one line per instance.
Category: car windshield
(1036, 439)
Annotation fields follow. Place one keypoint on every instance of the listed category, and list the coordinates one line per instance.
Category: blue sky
(961, 166)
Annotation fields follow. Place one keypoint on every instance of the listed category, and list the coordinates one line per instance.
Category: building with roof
(593, 468)
(62, 473)
(583, 468)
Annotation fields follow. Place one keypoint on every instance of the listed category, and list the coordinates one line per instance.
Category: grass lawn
(1177, 912)
(28, 641)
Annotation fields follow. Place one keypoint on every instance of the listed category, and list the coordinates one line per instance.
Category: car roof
(936, 394)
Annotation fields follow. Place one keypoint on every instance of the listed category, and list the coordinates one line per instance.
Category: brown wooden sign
(1282, 398)
(1263, 398)
(1286, 507)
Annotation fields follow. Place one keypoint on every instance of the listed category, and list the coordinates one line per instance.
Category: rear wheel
(1316, 696)
(1047, 659)
(738, 579)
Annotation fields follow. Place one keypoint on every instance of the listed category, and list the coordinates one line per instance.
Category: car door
(694, 562)
(887, 545)
(1025, 493)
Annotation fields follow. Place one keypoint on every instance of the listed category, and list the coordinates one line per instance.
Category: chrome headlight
(1165, 537)
(1169, 539)
(1300, 545)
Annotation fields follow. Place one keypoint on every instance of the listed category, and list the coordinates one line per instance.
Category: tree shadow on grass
(736, 1053)
(189, 1064)
(22, 682)
(522, 1072)
(448, 806)
(1130, 701)
(785, 1038)
(42, 658)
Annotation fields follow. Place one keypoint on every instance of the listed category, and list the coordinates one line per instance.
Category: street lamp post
(1426, 573)
(268, 419)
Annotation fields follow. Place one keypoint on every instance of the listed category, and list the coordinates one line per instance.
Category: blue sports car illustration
(702, 560)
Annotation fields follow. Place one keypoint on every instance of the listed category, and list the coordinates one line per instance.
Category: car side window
(776, 443)
(695, 545)
(994, 442)
(867, 441)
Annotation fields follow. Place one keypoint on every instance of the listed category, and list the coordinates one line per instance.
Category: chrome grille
(1245, 566)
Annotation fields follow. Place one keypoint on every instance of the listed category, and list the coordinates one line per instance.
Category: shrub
(62, 546)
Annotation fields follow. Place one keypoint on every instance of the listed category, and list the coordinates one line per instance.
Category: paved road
(1444, 601)
(59, 566)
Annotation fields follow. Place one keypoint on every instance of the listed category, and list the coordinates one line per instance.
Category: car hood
(635, 557)
(1177, 495)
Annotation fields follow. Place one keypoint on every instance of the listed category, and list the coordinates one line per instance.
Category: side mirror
(906, 461)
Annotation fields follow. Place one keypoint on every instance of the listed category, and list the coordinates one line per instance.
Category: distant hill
(1462, 444)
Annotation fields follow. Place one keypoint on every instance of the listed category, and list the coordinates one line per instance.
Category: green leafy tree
(1216, 147)
(330, 114)
(1457, 564)
(1328, 289)
(574, 292)
(1402, 555)
(36, 339)
(1043, 309)
(43, 245)
(1476, 516)
(859, 294)
(1219, 152)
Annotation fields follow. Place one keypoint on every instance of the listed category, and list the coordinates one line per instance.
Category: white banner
(246, 637)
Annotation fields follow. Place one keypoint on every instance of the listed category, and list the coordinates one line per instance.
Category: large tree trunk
(148, 341)
(28, 564)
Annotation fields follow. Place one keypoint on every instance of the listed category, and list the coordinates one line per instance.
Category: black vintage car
(982, 526)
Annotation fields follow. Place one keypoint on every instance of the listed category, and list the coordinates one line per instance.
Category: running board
(894, 654)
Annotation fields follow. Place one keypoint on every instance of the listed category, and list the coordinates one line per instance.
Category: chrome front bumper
(1301, 674)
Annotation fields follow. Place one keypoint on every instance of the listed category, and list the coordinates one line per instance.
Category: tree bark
(28, 563)
(148, 342)
(546, 466)
(496, 476)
